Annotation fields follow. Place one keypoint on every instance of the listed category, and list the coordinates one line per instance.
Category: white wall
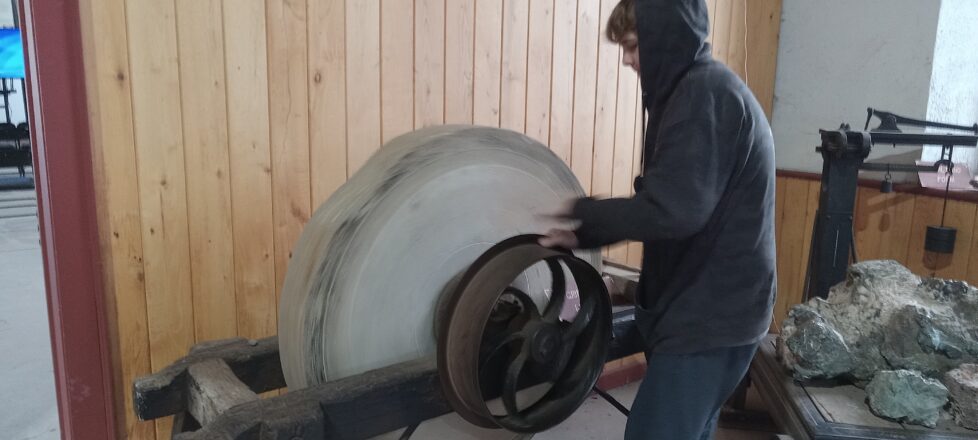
(954, 83)
(837, 57)
(6, 13)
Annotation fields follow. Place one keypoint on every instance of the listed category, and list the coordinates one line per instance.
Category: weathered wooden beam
(213, 389)
(364, 405)
(254, 362)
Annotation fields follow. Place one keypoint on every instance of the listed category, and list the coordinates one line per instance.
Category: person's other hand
(559, 238)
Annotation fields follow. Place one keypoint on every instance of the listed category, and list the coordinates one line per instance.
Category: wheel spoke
(557, 291)
(581, 320)
(495, 350)
(511, 383)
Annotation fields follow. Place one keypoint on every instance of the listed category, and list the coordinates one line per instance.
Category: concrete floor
(595, 420)
(28, 410)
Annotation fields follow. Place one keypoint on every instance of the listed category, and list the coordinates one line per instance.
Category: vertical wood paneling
(200, 26)
(111, 121)
(763, 30)
(539, 69)
(605, 110)
(243, 116)
(562, 79)
(327, 95)
(362, 82)
(585, 90)
(251, 167)
(512, 96)
(162, 185)
(791, 247)
(895, 226)
(289, 127)
(488, 61)
(459, 60)
(396, 68)
(429, 63)
(721, 29)
(162, 181)
(736, 51)
(869, 222)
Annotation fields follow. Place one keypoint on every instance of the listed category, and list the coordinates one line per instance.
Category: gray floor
(595, 420)
(28, 410)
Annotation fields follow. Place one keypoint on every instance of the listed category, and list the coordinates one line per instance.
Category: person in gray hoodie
(704, 210)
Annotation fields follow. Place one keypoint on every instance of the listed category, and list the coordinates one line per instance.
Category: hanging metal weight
(488, 348)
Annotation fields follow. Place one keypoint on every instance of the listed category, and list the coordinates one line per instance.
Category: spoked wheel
(494, 341)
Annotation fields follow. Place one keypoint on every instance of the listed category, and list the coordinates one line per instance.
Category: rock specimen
(962, 384)
(882, 318)
(907, 396)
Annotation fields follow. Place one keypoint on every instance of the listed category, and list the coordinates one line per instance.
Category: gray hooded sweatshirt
(704, 204)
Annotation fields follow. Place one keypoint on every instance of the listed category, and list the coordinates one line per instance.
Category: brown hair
(622, 21)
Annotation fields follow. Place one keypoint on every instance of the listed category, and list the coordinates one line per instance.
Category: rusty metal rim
(463, 323)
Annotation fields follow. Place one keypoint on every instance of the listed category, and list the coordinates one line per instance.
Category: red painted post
(67, 214)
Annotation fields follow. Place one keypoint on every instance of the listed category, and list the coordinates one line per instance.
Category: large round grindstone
(370, 266)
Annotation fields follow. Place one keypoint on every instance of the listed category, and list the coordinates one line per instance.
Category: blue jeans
(681, 395)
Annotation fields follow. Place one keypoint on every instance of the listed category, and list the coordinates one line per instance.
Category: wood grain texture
(237, 121)
(605, 110)
(459, 61)
(488, 61)
(763, 35)
(512, 97)
(585, 90)
(539, 69)
(251, 168)
(721, 30)
(105, 40)
(289, 126)
(869, 222)
(363, 130)
(791, 247)
(736, 49)
(200, 28)
(895, 226)
(396, 68)
(162, 181)
(429, 63)
(562, 80)
(327, 95)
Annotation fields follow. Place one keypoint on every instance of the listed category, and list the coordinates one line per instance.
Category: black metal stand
(844, 152)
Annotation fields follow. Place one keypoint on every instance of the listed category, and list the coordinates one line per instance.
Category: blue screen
(11, 54)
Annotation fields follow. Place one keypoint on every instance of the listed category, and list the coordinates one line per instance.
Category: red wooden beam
(61, 144)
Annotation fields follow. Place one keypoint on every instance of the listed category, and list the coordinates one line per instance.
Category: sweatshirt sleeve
(684, 178)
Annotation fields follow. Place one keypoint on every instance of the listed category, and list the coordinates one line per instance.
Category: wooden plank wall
(887, 226)
(220, 125)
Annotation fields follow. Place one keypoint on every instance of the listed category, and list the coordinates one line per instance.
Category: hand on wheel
(560, 238)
